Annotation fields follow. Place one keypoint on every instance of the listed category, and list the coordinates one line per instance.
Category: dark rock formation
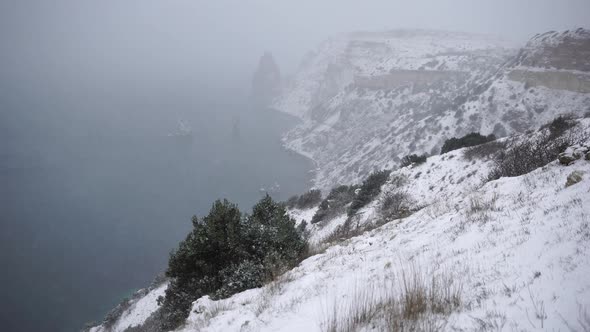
(266, 84)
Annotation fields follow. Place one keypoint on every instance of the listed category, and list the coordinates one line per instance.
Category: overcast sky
(170, 37)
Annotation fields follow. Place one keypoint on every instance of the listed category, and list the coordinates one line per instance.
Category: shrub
(524, 156)
(306, 200)
(485, 150)
(413, 159)
(335, 203)
(269, 231)
(559, 125)
(226, 253)
(395, 205)
(238, 278)
(471, 139)
(370, 188)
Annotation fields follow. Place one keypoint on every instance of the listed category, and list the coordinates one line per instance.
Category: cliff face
(266, 84)
(367, 99)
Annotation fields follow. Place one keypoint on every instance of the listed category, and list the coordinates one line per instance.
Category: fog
(94, 193)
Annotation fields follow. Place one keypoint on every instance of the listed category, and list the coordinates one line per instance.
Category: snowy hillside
(509, 254)
(368, 99)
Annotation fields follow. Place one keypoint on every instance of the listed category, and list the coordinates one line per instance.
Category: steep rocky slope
(368, 99)
(510, 254)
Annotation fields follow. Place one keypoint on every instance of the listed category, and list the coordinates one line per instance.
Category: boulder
(572, 154)
(573, 178)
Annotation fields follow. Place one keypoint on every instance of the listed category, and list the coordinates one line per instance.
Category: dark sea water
(91, 206)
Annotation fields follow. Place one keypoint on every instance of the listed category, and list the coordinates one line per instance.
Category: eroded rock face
(573, 178)
(368, 99)
(569, 50)
(266, 84)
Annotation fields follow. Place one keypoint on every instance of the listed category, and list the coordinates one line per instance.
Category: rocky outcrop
(266, 84)
(573, 178)
(568, 50)
(573, 153)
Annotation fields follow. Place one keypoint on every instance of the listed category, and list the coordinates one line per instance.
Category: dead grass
(480, 207)
(410, 301)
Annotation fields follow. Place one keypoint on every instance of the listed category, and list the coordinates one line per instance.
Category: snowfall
(517, 250)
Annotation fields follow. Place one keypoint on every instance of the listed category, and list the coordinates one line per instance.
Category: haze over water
(90, 212)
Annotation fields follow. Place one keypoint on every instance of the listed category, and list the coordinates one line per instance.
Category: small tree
(269, 231)
(226, 253)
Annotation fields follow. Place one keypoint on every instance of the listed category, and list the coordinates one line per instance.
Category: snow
(360, 114)
(138, 312)
(522, 261)
(532, 248)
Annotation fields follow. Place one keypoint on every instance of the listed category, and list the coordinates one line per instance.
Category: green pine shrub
(228, 252)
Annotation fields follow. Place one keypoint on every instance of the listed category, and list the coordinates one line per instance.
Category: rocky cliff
(266, 84)
(369, 98)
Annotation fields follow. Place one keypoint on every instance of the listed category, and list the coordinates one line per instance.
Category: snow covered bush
(522, 156)
(370, 188)
(335, 203)
(238, 278)
(413, 159)
(485, 150)
(227, 252)
(305, 201)
(471, 139)
(560, 125)
(395, 205)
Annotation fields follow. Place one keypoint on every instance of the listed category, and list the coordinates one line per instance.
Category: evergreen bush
(413, 159)
(227, 252)
(471, 139)
(335, 203)
(370, 188)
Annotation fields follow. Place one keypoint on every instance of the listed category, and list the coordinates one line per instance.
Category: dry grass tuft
(412, 301)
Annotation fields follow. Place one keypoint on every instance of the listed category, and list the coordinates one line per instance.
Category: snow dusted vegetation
(508, 254)
(485, 237)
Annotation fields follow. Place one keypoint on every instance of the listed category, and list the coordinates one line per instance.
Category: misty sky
(229, 35)
(73, 72)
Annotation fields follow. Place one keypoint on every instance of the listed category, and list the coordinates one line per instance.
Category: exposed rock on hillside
(266, 84)
(368, 99)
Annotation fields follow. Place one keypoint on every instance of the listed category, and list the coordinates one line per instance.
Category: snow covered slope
(368, 99)
(137, 312)
(517, 248)
(513, 254)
